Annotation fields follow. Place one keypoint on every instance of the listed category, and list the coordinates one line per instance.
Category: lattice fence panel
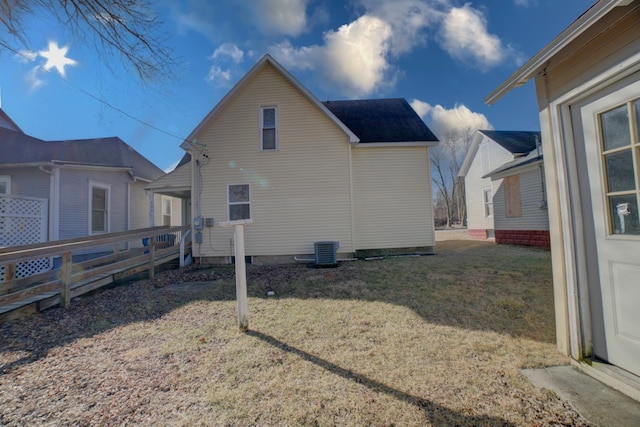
(23, 221)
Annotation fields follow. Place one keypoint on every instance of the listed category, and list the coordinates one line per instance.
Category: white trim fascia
(240, 85)
(471, 153)
(534, 65)
(517, 170)
(71, 165)
(397, 144)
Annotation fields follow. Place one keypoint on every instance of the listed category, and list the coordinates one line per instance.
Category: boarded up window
(513, 207)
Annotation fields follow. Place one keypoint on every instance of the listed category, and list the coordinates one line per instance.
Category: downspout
(543, 202)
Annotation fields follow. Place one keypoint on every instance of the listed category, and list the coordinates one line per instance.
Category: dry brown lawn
(415, 341)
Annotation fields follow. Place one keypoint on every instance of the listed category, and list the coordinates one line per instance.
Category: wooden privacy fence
(111, 257)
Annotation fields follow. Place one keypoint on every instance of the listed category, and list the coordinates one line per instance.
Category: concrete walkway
(597, 402)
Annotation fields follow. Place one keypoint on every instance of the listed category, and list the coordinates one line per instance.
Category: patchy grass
(436, 340)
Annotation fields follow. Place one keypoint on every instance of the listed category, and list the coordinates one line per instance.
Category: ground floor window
(99, 205)
(239, 202)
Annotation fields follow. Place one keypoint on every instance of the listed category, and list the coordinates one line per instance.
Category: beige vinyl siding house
(296, 191)
(273, 153)
(378, 174)
(588, 81)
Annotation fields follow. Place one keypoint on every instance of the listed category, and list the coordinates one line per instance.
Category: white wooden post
(241, 271)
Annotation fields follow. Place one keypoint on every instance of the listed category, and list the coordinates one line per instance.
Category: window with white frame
(5, 184)
(166, 211)
(487, 197)
(239, 197)
(99, 206)
(268, 128)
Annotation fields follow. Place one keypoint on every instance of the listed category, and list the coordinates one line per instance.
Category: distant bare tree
(447, 160)
(128, 28)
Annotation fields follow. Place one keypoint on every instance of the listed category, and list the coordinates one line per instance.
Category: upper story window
(239, 202)
(99, 206)
(5, 184)
(268, 128)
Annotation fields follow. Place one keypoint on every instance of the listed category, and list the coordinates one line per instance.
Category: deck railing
(85, 264)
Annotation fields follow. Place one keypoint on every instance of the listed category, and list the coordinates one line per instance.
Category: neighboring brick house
(504, 186)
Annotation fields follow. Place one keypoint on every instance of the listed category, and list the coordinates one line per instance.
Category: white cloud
(465, 37)
(407, 19)
(352, 58)
(524, 3)
(33, 78)
(226, 59)
(286, 17)
(421, 107)
(228, 51)
(26, 56)
(458, 119)
(219, 76)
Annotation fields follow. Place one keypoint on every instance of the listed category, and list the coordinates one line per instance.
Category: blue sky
(443, 56)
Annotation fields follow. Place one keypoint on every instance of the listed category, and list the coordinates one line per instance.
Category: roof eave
(398, 144)
(537, 63)
(512, 170)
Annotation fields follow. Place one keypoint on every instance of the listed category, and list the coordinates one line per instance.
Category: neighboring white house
(504, 188)
(351, 172)
(588, 88)
(74, 188)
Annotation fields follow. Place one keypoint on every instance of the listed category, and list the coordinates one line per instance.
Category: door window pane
(624, 215)
(615, 128)
(619, 170)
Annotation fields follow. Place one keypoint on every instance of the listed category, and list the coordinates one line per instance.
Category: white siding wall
(474, 183)
(300, 194)
(392, 198)
(533, 218)
(74, 200)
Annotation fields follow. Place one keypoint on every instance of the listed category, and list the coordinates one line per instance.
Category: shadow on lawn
(432, 411)
(473, 286)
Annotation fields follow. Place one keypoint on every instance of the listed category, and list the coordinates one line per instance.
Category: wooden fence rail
(120, 254)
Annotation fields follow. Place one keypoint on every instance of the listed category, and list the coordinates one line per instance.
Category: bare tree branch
(129, 29)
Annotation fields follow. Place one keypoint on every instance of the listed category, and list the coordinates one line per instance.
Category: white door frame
(562, 142)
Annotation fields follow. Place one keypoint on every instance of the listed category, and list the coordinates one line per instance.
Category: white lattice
(23, 221)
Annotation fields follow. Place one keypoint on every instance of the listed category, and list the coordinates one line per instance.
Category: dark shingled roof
(18, 148)
(381, 120)
(516, 142)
